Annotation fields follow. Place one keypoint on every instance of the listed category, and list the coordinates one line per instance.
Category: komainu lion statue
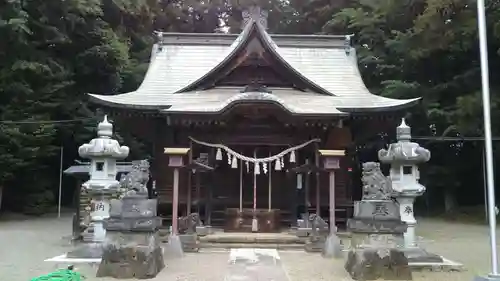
(319, 228)
(136, 181)
(188, 224)
(376, 186)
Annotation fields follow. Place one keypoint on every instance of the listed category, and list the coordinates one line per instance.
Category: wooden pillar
(269, 187)
(188, 196)
(175, 202)
(198, 199)
(332, 163)
(306, 191)
(292, 185)
(333, 226)
(176, 161)
(208, 206)
(189, 181)
(318, 193)
(241, 186)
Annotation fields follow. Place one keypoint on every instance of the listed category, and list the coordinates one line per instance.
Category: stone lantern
(103, 152)
(404, 157)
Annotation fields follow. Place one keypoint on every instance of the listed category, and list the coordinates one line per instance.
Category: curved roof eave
(226, 107)
(98, 100)
(403, 105)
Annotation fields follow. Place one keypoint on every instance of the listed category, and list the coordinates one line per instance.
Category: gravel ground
(27, 242)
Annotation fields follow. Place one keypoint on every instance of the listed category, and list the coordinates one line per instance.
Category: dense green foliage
(53, 52)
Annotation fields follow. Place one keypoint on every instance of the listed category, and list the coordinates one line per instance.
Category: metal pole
(485, 186)
(59, 200)
(483, 46)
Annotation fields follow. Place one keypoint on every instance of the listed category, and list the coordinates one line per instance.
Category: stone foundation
(190, 243)
(375, 264)
(132, 255)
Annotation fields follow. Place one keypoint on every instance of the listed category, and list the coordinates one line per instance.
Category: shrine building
(232, 98)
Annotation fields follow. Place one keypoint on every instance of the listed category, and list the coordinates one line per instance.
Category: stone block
(315, 245)
(377, 263)
(419, 255)
(303, 232)
(189, 242)
(133, 224)
(138, 207)
(376, 209)
(128, 256)
(377, 240)
(203, 230)
(357, 225)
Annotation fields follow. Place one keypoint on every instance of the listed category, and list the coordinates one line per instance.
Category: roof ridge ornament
(347, 43)
(159, 41)
(254, 13)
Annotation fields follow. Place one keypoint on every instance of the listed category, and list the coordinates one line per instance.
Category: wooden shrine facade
(258, 94)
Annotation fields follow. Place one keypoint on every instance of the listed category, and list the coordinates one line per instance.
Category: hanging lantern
(292, 157)
(257, 168)
(264, 167)
(277, 165)
(218, 155)
(234, 165)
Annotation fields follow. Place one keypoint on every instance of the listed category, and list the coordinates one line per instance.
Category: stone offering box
(133, 213)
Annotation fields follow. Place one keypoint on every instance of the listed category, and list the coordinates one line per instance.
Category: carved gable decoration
(253, 60)
(255, 13)
(255, 64)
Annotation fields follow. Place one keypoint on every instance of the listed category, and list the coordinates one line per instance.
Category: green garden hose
(61, 275)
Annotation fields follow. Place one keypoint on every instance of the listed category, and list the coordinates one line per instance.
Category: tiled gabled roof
(182, 60)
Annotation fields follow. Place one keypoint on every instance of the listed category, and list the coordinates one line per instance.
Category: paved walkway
(26, 243)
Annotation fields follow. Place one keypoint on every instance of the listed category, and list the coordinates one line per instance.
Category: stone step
(251, 245)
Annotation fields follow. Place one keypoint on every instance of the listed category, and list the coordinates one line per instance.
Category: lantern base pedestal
(419, 255)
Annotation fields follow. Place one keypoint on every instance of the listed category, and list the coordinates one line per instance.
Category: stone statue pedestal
(376, 242)
(132, 248)
(190, 243)
(132, 255)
